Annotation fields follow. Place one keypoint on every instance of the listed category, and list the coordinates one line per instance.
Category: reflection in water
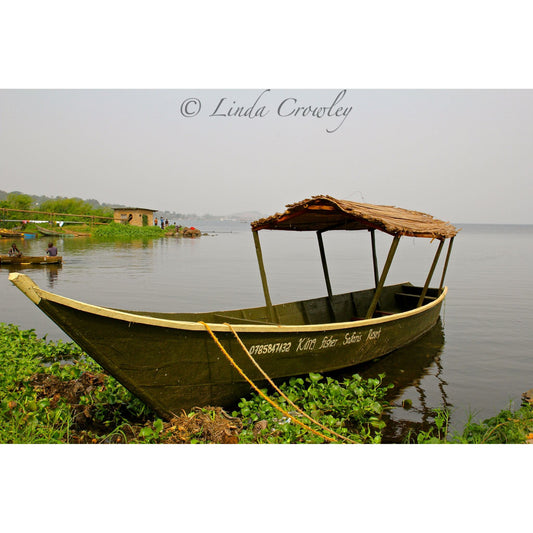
(416, 373)
(52, 271)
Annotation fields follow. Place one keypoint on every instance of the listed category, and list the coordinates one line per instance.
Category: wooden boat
(7, 234)
(171, 362)
(30, 260)
(52, 233)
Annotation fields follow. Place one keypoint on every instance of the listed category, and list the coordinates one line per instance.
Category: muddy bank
(89, 422)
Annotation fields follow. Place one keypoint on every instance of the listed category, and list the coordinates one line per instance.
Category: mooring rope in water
(281, 393)
(260, 392)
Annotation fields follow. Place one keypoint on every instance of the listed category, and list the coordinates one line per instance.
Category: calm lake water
(476, 361)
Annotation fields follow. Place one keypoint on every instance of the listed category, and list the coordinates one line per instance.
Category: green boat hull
(171, 362)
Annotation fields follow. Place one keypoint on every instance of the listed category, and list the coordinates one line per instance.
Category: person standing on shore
(52, 250)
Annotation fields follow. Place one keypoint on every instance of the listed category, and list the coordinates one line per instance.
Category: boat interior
(337, 308)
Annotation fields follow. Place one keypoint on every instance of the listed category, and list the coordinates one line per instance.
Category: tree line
(25, 202)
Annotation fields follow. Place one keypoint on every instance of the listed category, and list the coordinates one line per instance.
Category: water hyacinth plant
(352, 408)
(52, 392)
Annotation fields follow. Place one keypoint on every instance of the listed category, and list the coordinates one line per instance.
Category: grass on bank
(51, 392)
(103, 231)
(125, 231)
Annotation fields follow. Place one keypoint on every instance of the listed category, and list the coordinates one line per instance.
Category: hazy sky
(461, 155)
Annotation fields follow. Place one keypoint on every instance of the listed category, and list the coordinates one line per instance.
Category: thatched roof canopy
(323, 213)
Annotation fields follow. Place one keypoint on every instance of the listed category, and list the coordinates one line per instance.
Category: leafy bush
(352, 408)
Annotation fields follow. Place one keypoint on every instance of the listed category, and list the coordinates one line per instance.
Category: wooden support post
(324, 263)
(430, 275)
(268, 301)
(379, 288)
(326, 275)
(374, 256)
(446, 264)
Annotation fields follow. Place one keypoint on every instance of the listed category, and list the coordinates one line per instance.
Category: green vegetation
(17, 201)
(74, 206)
(352, 408)
(124, 231)
(51, 392)
(507, 427)
(16, 205)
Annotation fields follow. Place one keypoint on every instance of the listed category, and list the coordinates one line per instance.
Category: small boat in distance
(170, 361)
(52, 233)
(30, 260)
(7, 234)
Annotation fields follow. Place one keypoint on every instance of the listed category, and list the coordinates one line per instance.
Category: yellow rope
(261, 393)
(281, 392)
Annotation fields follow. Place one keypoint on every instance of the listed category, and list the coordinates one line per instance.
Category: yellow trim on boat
(26, 285)
(35, 294)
